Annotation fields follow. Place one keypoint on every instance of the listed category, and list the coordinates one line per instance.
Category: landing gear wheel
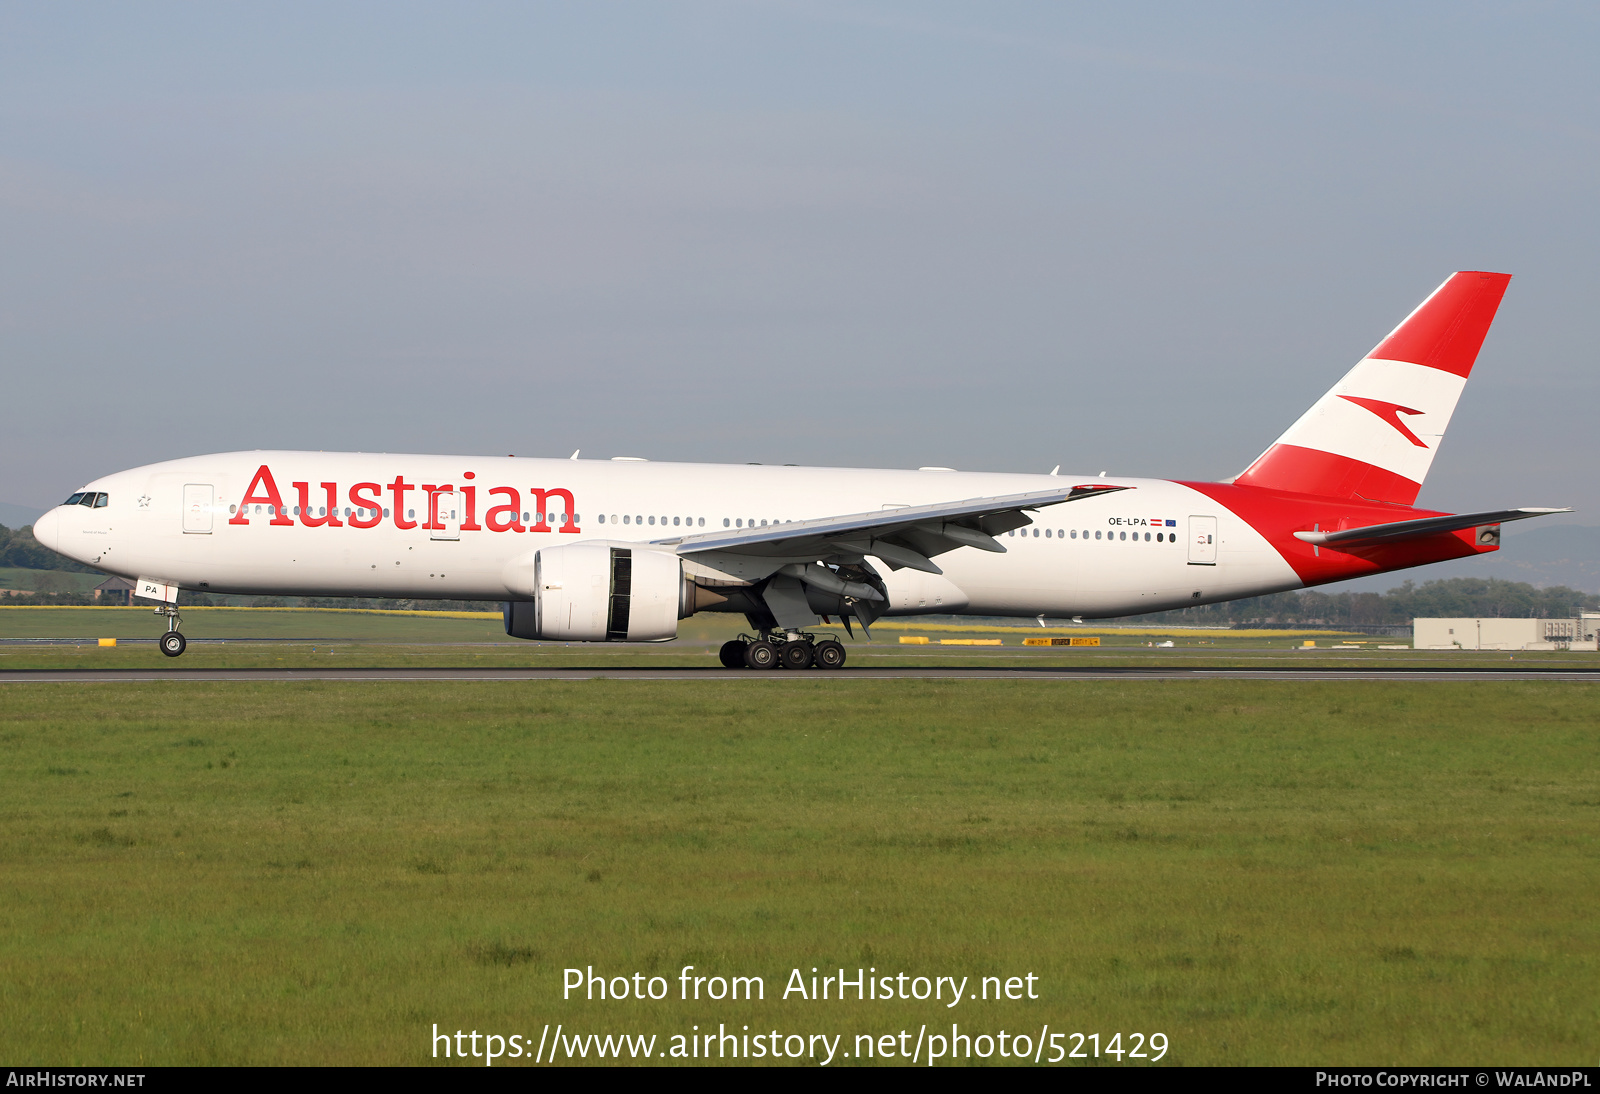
(173, 643)
(829, 654)
(732, 654)
(796, 654)
(760, 655)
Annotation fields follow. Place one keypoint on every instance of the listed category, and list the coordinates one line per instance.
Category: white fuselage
(1100, 556)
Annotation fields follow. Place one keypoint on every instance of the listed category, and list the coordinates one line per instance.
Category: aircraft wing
(1416, 529)
(908, 536)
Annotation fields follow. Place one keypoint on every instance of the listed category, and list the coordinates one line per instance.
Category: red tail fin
(1354, 443)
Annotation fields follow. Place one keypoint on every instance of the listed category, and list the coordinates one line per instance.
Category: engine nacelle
(598, 592)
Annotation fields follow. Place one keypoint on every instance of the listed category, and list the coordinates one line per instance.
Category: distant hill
(18, 516)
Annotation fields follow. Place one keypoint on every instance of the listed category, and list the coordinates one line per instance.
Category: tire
(732, 654)
(173, 644)
(829, 654)
(760, 655)
(796, 655)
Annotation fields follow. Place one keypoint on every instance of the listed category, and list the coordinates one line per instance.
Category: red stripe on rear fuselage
(1326, 474)
(1278, 514)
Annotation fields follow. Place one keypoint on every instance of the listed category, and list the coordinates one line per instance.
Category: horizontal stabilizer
(1416, 529)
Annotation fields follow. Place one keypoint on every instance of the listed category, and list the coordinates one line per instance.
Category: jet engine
(598, 592)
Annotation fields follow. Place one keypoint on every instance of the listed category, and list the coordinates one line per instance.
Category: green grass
(344, 625)
(301, 638)
(1267, 873)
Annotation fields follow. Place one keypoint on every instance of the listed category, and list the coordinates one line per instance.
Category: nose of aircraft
(47, 529)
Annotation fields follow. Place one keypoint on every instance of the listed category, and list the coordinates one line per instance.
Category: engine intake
(598, 592)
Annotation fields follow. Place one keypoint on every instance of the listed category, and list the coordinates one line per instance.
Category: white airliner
(621, 550)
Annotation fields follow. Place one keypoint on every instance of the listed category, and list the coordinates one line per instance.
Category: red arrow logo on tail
(1389, 412)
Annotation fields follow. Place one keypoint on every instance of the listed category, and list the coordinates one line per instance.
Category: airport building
(1577, 633)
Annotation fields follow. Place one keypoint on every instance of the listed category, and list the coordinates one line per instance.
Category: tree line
(18, 548)
(1471, 597)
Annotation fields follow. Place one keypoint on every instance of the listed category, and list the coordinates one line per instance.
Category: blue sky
(1140, 238)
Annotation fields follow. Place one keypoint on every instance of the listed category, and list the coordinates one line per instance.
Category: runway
(689, 675)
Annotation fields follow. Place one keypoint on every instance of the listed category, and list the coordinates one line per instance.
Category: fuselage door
(197, 508)
(1202, 541)
(446, 522)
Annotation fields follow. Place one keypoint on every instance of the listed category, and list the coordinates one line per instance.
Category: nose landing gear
(172, 643)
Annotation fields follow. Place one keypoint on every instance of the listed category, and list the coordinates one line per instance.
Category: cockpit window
(88, 499)
(100, 501)
(74, 500)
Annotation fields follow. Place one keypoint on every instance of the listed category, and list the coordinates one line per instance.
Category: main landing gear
(792, 651)
(172, 643)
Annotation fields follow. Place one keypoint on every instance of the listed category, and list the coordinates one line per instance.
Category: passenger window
(702, 522)
(411, 514)
(386, 514)
(1122, 535)
(674, 522)
(322, 510)
(1097, 535)
(1147, 537)
(1074, 533)
(652, 520)
(1047, 533)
